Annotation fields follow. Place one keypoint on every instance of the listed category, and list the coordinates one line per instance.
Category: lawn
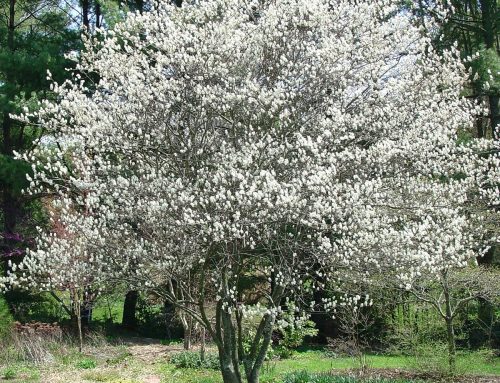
(472, 363)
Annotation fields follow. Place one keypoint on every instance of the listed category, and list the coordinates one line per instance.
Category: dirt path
(150, 350)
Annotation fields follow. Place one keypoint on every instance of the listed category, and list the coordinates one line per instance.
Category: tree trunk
(9, 212)
(187, 334)
(140, 5)
(169, 309)
(80, 335)
(129, 320)
(494, 116)
(488, 15)
(253, 375)
(229, 338)
(187, 327)
(202, 344)
(76, 319)
(229, 374)
(98, 15)
(450, 332)
(11, 24)
(85, 14)
(75, 334)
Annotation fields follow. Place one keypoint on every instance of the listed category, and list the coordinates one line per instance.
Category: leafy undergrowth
(192, 359)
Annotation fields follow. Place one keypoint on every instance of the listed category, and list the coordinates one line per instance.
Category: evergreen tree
(34, 37)
(474, 26)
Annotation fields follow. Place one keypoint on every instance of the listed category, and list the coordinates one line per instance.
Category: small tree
(449, 293)
(354, 322)
(72, 272)
(261, 148)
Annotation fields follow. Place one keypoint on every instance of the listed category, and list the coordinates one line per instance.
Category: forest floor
(144, 360)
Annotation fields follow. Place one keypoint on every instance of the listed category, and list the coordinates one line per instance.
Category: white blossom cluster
(353, 302)
(286, 140)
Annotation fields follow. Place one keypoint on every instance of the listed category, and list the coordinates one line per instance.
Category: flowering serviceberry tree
(230, 153)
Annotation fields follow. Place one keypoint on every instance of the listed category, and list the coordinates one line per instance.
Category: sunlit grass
(317, 361)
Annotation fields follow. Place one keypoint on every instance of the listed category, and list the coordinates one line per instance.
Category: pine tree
(34, 37)
(474, 26)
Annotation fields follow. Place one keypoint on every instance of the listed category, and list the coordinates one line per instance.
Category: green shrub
(6, 320)
(20, 373)
(294, 332)
(9, 373)
(192, 359)
(86, 363)
(36, 307)
(432, 358)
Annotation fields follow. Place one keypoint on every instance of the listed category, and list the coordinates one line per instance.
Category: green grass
(307, 377)
(19, 373)
(316, 361)
(107, 310)
(172, 374)
(101, 376)
(475, 363)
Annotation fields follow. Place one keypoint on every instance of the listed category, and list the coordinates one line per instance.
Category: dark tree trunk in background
(11, 24)
(326, 325)
(140, 5)
(488, 11)
(98, 14)
(494, 116)
(86, 308)
(169, 309)
(129, 320)
(85, 4)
